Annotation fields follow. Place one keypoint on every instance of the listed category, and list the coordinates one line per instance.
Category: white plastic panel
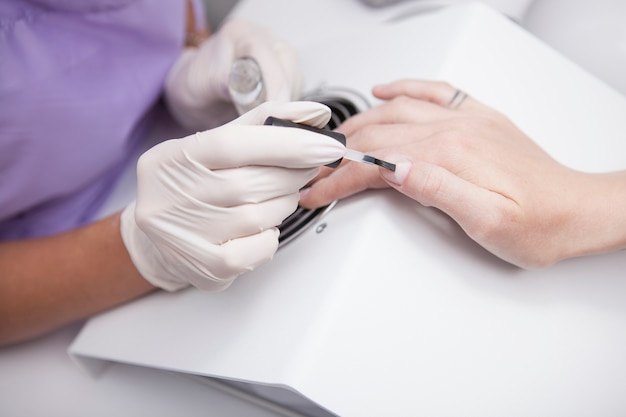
(391, 309)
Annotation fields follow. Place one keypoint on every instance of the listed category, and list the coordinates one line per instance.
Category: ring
(457, 99)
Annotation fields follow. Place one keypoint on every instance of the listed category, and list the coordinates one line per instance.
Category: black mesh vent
(299, 220)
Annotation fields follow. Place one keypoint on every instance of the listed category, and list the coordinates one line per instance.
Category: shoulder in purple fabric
(76, 79)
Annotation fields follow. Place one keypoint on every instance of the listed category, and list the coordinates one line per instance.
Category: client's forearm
(598, 220)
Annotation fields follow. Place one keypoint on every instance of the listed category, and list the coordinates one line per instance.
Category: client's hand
(207, 204)
(471, 162)
(196, 88)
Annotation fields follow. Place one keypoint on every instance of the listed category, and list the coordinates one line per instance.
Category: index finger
(232, 146)
(400, 110)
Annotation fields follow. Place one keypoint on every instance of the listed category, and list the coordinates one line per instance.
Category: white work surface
(38, 378)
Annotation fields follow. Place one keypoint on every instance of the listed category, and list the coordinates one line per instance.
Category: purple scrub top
(77, 81)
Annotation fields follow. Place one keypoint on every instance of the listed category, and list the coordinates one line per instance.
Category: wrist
(143, 254)
(596, 215)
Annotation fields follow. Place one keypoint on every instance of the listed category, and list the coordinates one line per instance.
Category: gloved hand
(196, 89)
(207, 204)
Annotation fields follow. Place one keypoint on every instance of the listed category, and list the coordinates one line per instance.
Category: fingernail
(304, 192)
(403, 167)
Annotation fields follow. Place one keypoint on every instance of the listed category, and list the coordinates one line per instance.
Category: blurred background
(589, 32)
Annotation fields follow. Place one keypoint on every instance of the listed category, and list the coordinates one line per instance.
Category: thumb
(307, 112)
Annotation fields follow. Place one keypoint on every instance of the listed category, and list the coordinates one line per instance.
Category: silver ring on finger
(457, 99)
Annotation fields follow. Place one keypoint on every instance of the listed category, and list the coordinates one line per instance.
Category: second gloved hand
(196, 89)
(207, 205)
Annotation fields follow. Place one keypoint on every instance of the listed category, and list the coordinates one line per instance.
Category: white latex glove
(207, 204)
(196, 89)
